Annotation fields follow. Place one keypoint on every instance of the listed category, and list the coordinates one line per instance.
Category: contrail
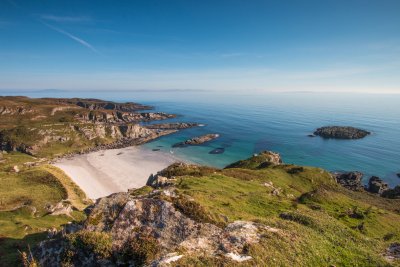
(73, 37)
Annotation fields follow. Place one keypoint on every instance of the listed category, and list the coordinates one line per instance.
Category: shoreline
(104, 172)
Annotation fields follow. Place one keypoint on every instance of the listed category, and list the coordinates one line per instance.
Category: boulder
(349, 180)
(376, 185)
(392, 193)
(341, 132)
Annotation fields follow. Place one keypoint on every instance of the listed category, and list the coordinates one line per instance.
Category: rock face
(350, 180)
(146, 230)
(377, 185)
(197, 140)
(341, 132)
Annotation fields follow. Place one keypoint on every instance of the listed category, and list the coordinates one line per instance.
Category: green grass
(23, 200)
(321, 223)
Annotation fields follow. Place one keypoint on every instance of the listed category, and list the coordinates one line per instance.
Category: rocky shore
(341, 132)
(353, 181)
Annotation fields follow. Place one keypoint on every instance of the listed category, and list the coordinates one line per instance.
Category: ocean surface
(279, 122)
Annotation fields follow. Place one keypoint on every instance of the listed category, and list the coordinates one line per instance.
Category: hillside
(35, 197)
(256, 212)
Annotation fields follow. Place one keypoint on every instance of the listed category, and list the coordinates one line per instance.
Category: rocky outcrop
(197, 140)
(121, 117)
(392, 192)
(173, 126)
(350, 180)
(258, 161)
(341, 132)
(377, 186)
(147, 230)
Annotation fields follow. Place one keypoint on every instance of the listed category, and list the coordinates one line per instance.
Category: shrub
(99, 243)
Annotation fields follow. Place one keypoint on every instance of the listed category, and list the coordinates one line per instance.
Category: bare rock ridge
(341, 132)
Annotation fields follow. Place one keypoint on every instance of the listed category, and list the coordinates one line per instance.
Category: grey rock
(349, 180)
(377, 186)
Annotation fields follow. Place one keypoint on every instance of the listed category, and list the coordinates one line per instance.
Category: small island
(341, 132)
(197, 140)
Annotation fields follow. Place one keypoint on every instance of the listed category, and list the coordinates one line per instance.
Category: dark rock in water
(197, 140)
(392, 193)
(155, 149)
(341, 132)
(398, 174)
(219, 150)
(311, 135)
(181, 144)
(350, 180)
(376, 185)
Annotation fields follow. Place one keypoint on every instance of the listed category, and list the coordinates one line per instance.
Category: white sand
(105, 172)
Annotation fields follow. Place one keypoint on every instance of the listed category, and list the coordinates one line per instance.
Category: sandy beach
(102, 173)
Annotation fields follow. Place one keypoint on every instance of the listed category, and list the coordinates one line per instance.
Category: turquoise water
(280, 122)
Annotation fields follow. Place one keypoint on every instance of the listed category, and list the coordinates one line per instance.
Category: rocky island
(197, 140)
(341, 132)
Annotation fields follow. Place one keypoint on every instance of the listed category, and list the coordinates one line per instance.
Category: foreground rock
(350, 180)
(341, 132)
(197, 140)
(146, 230)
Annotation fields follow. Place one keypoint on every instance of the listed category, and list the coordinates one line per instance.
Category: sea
(249, 123)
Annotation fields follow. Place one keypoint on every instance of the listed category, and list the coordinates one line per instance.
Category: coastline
(104, 172)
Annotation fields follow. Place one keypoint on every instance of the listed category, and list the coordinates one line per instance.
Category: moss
(99, 243)
(142, 249)
(194, 211)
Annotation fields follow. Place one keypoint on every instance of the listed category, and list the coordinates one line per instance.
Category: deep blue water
(280, 122)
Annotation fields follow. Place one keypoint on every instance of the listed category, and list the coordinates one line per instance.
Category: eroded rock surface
(123, 225)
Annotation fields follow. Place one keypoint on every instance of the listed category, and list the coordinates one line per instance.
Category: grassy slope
(32, 188)
(323, 224)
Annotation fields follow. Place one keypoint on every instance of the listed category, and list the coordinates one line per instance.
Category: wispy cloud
(60, 19)
(73, 37)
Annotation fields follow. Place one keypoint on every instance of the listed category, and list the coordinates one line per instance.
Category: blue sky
(324, 46)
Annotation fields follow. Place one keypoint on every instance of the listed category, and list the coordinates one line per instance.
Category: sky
(232, 45)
